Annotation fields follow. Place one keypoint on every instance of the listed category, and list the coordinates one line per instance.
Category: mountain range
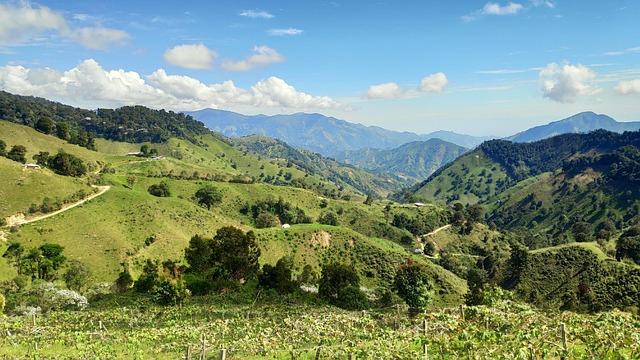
(580, 123)
(322, 134)
(416, 160)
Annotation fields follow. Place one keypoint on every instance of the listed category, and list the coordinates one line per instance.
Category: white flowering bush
(49, 297)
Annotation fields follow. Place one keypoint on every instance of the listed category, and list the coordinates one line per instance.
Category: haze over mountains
(326, 135)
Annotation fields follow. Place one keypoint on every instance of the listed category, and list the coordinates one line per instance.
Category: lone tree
(335, 277)
(413, 284)
(159, 190)
(77, 275)
(208, 196)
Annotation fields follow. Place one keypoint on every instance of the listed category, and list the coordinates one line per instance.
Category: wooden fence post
(223, 354)
(203, 347)
(352, 356)
(187, 356)
(425, 349)
(33, 319)
(462, 312)
(563, 333)
(424, 327)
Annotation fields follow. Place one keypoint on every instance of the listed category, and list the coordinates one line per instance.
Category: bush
(208, 196)
(328, 218)
(17, 153)
(67, 164)
(124, 281)
(77, 275)
(308, 276)
(429, 248)
(334, 278)
(266, 220)
(413, 284)
(352, 298)
(167, 292)
(48, 297)
(198, 284)
(159, 190)
(278, 277)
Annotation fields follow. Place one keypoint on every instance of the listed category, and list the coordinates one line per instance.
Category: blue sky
(478, 67)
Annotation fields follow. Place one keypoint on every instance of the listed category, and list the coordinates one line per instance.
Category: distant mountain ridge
(322, 134)
(583, 122)
(417, 159)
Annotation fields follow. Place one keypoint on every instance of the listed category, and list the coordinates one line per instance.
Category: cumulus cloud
(564, 83)
(285, 32)
(262, 55)
(429, 84)
(434, 82)
(256, 14)
(22, 22)
(190, 56)
(385, 91)
(90, 85)
(628, 87)
(99, 38)
(497, 9)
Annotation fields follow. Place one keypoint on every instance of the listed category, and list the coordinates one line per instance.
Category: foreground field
(290, 330)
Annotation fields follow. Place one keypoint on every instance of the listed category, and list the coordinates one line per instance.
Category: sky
(474, 67)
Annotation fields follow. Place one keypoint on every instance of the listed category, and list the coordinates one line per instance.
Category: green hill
(414, 160)
(313, 163)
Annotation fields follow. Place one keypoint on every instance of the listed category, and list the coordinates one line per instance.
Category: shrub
(167, 292)
(328, 218)
(266, 220)
(17, 153)
(124, 281)
(77, 275)
(159, 190)
(308, 276)
(352, 298)
(336, 277)
(413, 284)
(66, 164)
(278, 277)
(148, 278)
(198, 284)
(429, 248)
(208, 196)
(48, 297)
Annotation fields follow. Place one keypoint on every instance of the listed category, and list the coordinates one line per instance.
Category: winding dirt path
(437, 230)
(21, 220)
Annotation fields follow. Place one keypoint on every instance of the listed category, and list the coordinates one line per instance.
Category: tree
(208, 196)
(475, 213)
(41, 158)
(628, 245)
(328, 218)
(266, 220)
(14, 253)
(237, 252)
(199, 253)
(45, 125)
(149, 277)
(278, 277)
(413, 284)
(77, 275)
(159, 190)
(308, 276)
(476, 280)
(66, 164)
(335, 277)
(17, 153)
(144, 149)
(62, 131)
(606, 229)
(124, 280)
(39, 263)
(3, 148)
(581, 231)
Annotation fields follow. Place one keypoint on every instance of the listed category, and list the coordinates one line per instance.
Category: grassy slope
(452, 180)
(112, 228)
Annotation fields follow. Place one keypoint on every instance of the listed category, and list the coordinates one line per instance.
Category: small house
(32, 166)
(286, 226)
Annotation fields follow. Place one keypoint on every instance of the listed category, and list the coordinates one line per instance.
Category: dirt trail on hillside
(437, 230)
(20, 219)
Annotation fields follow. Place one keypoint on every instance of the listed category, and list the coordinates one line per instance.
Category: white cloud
(99, 38)
(190, 56)
(633, 50)
(263, 55)
(497, 9)
(89, 85)
(255, 14)
(564, 83)
(546, 3)
(628, 87)
(385, 91)
(285, 32)
(20, 23)
(434, 82)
